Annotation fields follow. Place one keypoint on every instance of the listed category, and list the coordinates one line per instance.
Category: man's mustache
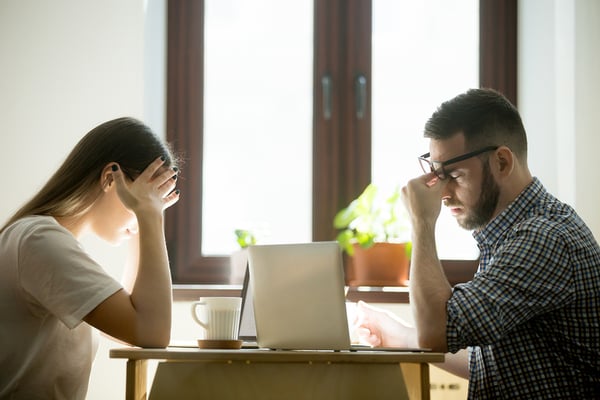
(451, 204)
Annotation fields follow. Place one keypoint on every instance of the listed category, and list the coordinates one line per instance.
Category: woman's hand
(152, 190)
(381, 328)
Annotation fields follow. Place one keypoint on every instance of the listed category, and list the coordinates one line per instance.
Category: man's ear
(504, 160)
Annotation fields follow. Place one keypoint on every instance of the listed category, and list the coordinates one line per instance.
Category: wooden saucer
(219, 344)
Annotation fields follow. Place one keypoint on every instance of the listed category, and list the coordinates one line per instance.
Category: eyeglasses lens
(429, 166)
(425, 165)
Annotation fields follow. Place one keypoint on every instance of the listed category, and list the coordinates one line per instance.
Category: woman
(115, 184)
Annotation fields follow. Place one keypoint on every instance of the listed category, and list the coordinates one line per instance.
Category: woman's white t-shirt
(48, 283)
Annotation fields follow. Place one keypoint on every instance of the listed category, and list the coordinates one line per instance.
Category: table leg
(425, 386)
(135, 387)
(417, 378)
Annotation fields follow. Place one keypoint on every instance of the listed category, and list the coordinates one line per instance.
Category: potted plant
(375, 234)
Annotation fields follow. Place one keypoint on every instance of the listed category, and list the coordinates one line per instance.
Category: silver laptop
(298, 296)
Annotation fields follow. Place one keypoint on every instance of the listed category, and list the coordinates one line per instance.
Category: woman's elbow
(152, 335)
(152, 340)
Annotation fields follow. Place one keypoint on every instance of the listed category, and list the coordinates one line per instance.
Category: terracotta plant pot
(383, 264)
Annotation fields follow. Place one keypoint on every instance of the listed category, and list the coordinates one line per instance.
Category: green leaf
(372, 218)
(344, 239)
(344, 217)
(245, 238)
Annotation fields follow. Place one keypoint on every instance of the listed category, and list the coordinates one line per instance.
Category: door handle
(326, 85)
(360, 91)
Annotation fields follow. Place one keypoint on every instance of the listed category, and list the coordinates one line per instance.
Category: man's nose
(447, 192)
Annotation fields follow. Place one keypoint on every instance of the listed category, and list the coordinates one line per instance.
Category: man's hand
(380, 328)
(422, 198)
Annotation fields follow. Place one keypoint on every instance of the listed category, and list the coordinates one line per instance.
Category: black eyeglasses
(437, 167)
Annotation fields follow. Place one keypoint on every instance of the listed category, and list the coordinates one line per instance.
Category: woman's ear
(106, 177)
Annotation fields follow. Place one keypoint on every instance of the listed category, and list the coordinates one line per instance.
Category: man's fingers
(366, 336)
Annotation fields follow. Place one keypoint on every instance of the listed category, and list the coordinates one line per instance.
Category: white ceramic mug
(219, 316)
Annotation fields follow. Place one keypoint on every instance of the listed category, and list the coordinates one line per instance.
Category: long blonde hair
(74, 187)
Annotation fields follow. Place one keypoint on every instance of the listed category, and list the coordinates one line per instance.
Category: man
(530, 318)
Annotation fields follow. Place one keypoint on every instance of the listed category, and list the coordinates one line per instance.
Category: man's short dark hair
(484, 116)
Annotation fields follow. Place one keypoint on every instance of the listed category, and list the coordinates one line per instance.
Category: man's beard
(483, 211)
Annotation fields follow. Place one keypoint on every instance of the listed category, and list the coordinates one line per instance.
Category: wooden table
(192, 373)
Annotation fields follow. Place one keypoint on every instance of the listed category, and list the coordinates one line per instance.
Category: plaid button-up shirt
(531, 315)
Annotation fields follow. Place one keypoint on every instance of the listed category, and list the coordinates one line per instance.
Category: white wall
(587, 90)
(67, 65)
(559, 88)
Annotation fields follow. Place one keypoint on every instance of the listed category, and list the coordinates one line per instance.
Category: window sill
(456, 272)
(191, 292)
(370, 294)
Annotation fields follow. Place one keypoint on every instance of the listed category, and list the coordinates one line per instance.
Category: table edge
(196, 354)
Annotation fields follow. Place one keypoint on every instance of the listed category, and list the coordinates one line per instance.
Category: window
(257, 122)
(423, 52)
(305, 90)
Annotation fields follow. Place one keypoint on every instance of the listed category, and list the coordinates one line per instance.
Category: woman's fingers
(166, 181)
(153, 188)
(117, 174)
(121, 184)
(171, 199)
(151, 169)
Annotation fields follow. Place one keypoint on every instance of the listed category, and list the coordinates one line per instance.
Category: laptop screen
(298, 296)
(247, 330)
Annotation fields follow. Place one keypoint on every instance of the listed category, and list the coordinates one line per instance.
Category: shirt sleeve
(530, 274)
(60, 275)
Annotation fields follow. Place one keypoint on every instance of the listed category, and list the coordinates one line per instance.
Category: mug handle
(195, 316)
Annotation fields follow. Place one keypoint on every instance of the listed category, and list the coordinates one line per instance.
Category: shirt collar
(512, 214)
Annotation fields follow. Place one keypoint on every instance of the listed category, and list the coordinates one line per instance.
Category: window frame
(341, 144)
